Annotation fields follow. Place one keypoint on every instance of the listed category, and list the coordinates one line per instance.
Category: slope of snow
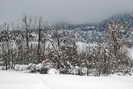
(17, 80)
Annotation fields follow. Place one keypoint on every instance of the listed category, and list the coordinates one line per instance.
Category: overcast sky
(75, 11)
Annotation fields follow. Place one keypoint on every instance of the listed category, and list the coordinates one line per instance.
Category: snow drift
(17, 80)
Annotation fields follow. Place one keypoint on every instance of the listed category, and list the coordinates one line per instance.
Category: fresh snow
(19, 80)
(15, 80)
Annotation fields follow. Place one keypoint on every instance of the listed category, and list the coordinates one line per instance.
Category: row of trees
(109, 56)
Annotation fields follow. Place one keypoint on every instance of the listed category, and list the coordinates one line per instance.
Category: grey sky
(76, 11)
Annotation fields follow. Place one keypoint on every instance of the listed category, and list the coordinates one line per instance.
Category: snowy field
(19, 80)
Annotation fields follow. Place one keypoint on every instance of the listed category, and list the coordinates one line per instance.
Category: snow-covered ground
(19, 80)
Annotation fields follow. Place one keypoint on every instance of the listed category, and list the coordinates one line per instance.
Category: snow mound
(21, 67)
(53, 71)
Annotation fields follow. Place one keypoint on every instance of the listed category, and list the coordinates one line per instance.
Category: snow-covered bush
(19, 67)
(39, 66)
(31, 67)
(75, 70)
(53, 71)
(42, 67)
(2, 68)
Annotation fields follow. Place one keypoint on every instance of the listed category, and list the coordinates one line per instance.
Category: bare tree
(40, 25)
(115, 42)
(5, 39)
(56, 34)
(27, 22)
